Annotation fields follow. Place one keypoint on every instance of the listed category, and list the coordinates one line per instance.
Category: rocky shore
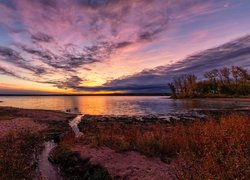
(170, 118)
(151, 118)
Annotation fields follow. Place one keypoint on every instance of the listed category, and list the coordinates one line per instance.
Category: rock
(165, 118)
(166, 159)
(151, 118)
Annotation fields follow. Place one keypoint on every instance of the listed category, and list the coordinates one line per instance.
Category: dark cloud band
(236, 52)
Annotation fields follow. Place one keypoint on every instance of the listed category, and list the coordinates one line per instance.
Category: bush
(212, 149)
(215, 150)
(18, 155)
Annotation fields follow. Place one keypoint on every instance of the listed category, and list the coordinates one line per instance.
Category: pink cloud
(57, 40)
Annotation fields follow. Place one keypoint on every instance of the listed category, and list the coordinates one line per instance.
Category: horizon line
(86, 94)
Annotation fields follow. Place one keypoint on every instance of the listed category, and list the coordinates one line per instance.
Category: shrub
(212, 149)
(17, 155)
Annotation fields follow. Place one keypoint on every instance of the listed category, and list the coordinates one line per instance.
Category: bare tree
(173, 89)
(225, 73)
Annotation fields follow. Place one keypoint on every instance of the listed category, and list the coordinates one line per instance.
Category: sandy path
(130, 165)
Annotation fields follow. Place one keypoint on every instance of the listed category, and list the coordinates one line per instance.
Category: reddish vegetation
(147, 139)
(211, 149)
(22, 133)
(214, 150)
(17, 155)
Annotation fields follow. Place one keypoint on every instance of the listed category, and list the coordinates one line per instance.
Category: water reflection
(119, 105)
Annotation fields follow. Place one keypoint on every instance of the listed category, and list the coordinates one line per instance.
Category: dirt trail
(130, 165)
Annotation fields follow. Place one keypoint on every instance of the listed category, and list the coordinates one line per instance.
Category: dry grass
(17, 155)
(148, 139)
(22, 133)
(215, 149)
(21, 138)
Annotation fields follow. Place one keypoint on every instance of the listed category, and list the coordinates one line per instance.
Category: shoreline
(239, 99)
(224, 99)
(102, 156)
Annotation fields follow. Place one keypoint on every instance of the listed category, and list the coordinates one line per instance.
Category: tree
(225, 73)
(218, 82)
(212, 78)
(173, 89)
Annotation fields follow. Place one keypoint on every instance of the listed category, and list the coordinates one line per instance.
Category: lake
(116, 105)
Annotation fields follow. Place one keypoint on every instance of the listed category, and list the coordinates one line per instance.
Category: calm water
(118, 105)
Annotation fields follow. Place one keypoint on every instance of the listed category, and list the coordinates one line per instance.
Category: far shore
(240, 99)
(246, 99)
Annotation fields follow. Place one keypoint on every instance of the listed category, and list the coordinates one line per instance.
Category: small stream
(74, 125)
(46, 169)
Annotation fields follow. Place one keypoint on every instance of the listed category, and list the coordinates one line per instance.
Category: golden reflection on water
(119, 105)
(92, 105)
(85, 104)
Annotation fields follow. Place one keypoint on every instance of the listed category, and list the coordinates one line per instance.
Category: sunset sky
(100, 46)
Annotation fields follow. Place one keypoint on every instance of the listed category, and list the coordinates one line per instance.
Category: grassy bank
(218, 148)
(211, 149)
(22, 134)
(18, 155)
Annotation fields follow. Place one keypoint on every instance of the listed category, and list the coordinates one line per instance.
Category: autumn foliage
(199, 150)
(18, 155)
(224, 82)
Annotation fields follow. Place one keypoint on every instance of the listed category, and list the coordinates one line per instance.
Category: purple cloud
(52, 41)
(236, 52)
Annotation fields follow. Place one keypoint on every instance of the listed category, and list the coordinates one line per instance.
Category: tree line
(225, 82)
